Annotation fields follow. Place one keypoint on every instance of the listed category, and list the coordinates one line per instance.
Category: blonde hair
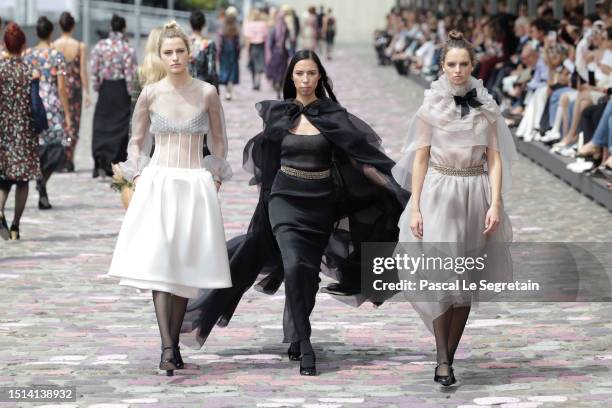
(231, 11)
(172, 29)
(152, 69)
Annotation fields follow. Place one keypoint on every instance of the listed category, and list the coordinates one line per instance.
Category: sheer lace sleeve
(419, 135)
(140, 143)
(216, 162)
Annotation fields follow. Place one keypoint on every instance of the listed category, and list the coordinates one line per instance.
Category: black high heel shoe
(15, 233)
(4, 229)
(178, 358)
(308, 365)
(445, 380)
(169, 363)
(294, 352)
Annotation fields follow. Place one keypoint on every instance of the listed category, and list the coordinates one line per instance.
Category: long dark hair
(324, 87)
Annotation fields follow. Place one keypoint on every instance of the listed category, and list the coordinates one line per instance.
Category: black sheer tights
(21, 197)
(170, 312)
(448, 329)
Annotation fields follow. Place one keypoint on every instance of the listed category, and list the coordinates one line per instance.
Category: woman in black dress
(315, 164)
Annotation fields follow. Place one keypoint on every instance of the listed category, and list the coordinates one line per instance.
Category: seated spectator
(591, 87)
(530, 126)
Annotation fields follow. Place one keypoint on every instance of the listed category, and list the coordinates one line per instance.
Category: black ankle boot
(4, 229)
(177, 357)
(294, 351)
(168, 363)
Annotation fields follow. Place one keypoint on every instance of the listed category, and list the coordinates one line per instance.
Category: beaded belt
(308, 175)
(459, 172)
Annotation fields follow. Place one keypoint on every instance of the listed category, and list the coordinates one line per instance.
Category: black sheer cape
(368, 204)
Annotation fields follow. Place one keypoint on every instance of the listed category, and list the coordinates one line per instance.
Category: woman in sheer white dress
(456, 206)
(172, 240)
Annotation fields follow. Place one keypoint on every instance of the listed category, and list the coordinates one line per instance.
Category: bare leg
(564, 107)
(582, 102)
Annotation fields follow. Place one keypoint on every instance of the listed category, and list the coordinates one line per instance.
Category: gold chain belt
(459, 172)
(308, 175)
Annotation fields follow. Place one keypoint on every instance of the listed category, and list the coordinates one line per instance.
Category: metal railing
(140, 19)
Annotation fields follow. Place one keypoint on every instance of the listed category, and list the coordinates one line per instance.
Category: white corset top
(180, 150)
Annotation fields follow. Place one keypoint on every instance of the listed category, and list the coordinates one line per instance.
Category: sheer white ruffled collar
(439, 107)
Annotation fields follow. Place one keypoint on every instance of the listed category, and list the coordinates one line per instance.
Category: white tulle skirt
(172, 238)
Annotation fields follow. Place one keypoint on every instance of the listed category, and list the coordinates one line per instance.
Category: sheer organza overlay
(182, 119)
(454, 208)
(455, 141)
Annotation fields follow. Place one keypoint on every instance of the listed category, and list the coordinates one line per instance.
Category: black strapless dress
(302, 217)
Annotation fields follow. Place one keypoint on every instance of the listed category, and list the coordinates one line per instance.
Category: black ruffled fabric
(367, 205)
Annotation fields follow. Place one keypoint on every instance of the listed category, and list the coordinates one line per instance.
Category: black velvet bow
(294, 110)
(467, 100)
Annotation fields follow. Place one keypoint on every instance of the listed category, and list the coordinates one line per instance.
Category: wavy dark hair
(324, 88)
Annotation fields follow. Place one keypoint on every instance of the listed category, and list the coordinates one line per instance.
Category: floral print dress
(18, 141)
(50, 63)
(75, 98)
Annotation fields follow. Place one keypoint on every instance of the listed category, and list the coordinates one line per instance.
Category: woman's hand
(87, 100)
(68, 123)
(492, 220)
(416, 223)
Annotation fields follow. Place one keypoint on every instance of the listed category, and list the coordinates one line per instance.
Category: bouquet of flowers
(126, 188)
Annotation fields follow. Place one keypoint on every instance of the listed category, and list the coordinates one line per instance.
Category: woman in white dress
(172, 240)
(455, 136)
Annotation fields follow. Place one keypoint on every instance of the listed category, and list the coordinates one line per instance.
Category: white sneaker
(528, 137)
(550, 136)
(569, 151)
(580, 166)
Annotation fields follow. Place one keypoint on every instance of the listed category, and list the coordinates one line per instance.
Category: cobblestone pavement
(63, 322)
